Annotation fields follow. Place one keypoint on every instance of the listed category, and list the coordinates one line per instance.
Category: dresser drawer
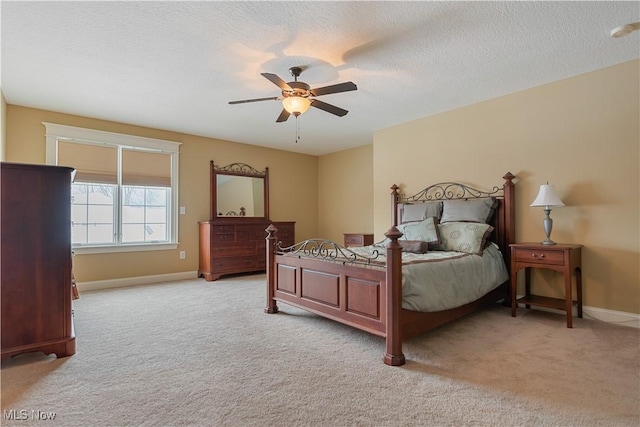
(223, 238)
(223, 233)
(234, 263)
(286, 238)
(223, 229)
(286, 233)
(250, 234)
(259, 235)
(234, 249)
(540, 256)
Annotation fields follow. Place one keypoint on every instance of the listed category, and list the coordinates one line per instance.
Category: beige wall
(581, 134)
(345, 196)
(293, 187)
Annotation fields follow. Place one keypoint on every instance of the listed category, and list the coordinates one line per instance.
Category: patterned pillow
(425, 231)
(469, 237)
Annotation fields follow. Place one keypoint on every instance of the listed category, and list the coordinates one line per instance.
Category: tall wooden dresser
(35, 236)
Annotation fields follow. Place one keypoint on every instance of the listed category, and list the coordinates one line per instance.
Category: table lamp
(547, 198)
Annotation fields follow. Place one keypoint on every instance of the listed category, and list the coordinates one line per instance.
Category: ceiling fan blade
(244, 101)
(283, 116)
(276, 81)
(340, 87)
(328, 108)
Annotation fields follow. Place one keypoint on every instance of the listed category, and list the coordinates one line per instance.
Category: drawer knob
(541, 255)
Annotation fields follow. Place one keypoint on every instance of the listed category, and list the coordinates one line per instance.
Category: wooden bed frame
(370, 298)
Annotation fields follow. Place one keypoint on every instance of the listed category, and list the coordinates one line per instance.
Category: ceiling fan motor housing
(298, 89)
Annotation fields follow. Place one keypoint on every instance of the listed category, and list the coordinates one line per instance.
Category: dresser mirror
(239, 191)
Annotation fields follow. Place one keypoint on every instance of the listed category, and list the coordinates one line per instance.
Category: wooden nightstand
(563, 258)
(358, 239)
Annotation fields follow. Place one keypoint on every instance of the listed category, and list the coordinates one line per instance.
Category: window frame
(72, 134)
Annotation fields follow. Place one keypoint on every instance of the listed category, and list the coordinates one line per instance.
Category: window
(124, 194)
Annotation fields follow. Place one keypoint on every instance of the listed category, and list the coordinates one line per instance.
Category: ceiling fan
(297, 96)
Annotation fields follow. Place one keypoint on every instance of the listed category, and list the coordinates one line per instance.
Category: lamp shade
(296, 105)
(548, 197)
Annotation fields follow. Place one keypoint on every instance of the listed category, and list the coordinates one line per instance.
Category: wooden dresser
(234, 239)
(237, 246)
(35, 241)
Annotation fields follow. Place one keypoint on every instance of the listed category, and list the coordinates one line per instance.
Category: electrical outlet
(183, 210)
(183, 254)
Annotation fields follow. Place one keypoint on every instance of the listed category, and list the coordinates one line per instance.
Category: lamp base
(547, 222)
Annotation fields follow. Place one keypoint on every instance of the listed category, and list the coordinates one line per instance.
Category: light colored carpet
(205, 353)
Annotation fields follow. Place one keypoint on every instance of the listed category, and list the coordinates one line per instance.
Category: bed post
(271, 267)
(509, 215)
(509, 224)
(394, 205)
(393, 354)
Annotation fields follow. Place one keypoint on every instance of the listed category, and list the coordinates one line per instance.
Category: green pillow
(425, 231)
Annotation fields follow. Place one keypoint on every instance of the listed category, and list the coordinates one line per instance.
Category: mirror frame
(237, 169)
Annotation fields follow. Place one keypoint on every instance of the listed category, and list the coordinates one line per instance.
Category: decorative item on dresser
(233, 240)
(357, 239)
(36, 284)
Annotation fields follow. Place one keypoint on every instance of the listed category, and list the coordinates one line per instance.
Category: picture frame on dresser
(233, 240)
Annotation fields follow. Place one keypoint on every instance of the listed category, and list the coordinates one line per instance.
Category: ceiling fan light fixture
(625, 30)
(296, 105)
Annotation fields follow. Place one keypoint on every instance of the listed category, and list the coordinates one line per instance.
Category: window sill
(85, 250)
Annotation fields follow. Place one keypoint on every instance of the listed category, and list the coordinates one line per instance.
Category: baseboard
(602, 314)
(612, 316)
(136, 281)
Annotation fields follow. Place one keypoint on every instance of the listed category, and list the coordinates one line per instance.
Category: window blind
(99, 164)
(93, 163)
(146, 168)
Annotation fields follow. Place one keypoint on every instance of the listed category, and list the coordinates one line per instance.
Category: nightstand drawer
(358, 239)
(351, 240)
(540, 256)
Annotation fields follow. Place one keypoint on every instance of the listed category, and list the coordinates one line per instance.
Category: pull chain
(297, 129)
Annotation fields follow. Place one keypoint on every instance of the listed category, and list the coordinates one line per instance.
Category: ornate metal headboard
(503, 220)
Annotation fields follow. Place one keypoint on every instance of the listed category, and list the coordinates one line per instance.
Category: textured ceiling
(175, 65)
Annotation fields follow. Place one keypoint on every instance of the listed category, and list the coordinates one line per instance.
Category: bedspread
(440, 280)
